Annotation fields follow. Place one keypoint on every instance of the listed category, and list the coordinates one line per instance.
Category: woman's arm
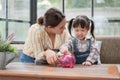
(34, 41)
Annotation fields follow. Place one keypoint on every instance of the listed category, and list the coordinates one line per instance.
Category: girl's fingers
(86, 64)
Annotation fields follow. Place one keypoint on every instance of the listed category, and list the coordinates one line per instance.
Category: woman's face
(59, 28)
(80, 33)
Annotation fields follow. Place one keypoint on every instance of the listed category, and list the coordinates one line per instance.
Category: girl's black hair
(70, 25)
(83, 21)
(52, 17)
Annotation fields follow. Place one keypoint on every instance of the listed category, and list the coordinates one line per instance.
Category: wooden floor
(30, 71)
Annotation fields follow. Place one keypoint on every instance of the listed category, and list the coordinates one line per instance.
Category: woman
(45, 36)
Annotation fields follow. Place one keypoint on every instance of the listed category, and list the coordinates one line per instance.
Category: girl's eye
(76, 30)
(82, 30)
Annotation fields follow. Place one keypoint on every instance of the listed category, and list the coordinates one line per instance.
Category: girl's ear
(88, 29)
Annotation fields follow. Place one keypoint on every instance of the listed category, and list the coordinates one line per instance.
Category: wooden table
(30, 71)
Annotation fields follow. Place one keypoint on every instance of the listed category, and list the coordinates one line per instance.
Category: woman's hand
(87, 63)
(64, 50)
(51, 57)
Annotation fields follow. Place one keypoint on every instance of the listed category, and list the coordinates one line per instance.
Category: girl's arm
(67, 47)
(94, 52)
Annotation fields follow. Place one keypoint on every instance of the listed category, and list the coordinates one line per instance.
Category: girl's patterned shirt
(83, 46)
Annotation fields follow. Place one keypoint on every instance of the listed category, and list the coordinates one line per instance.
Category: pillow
(99, 44)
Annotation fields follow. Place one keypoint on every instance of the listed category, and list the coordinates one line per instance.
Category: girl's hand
(51, 57)
(87, 63)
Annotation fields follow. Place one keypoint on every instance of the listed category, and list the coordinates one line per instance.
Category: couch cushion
(110, 50)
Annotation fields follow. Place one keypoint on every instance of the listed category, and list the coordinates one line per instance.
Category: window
(15, 17)
(43, 5)
(107, 17)
(18, 15)
(77, 7)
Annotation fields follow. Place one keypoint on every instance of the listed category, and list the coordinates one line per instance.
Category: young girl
(84, 48)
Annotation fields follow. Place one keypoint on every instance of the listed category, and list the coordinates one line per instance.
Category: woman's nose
(65, 27)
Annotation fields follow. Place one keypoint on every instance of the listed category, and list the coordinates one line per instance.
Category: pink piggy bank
(67, 61)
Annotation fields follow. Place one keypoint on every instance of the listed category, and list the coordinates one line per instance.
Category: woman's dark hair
(52, 17)
(84, 22)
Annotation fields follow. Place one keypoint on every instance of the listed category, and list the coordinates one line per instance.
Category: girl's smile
(80, 33)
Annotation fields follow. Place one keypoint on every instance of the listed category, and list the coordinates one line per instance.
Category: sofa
(110, 50)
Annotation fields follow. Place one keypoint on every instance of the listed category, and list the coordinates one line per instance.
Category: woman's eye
(76, 30)
(61, 27)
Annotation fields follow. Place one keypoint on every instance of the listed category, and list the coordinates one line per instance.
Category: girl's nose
(79, 33)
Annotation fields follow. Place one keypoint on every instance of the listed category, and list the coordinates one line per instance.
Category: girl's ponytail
(92, 28)
(70, 26)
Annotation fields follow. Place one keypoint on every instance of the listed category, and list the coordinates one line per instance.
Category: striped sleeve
(36, 41)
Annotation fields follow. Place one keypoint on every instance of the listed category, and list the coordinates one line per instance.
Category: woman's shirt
(83, 46)
(38, 41)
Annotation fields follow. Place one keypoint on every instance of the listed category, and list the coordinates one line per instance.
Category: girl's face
(59, 28)
(80, 33)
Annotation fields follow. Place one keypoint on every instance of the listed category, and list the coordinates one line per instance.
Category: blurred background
(18, 15)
